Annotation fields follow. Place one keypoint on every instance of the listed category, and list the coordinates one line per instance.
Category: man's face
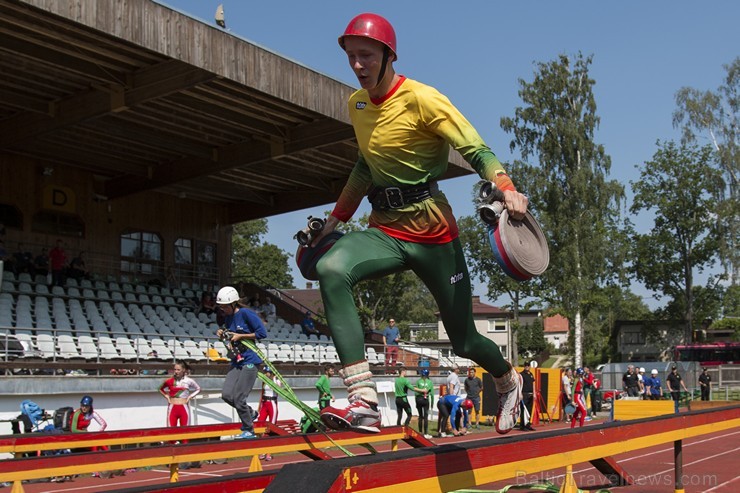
(392, 322)
(226, 309)
(330, 372)
(365, 58)
(471, 373)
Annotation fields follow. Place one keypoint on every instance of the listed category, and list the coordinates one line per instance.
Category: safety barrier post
(569, 484)
(174, 473)
(678, 466)
(255, 465)
(394, 445)
(17, 487)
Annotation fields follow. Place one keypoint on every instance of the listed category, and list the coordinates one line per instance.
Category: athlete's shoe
(508, 401)
(359, 415)
(244, 435)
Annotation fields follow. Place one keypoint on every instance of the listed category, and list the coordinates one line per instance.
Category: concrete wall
(134, 402)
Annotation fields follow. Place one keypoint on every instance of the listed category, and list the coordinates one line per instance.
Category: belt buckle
(394, 196)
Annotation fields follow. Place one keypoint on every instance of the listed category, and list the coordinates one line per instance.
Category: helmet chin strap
(381, 75)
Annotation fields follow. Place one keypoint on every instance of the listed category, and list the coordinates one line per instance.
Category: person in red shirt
(57, 259)
(578, 400)
(588, 387)
(179, 390)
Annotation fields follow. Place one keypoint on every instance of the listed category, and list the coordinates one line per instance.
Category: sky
(475, 52)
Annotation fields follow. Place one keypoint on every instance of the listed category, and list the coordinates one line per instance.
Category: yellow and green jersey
(404, 140)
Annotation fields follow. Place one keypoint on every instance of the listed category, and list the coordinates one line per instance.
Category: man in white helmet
(241, 324)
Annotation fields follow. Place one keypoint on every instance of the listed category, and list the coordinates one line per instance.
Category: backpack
(32, 410)
(63, 418)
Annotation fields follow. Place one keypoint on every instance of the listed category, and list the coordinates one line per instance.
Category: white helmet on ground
(227, 295)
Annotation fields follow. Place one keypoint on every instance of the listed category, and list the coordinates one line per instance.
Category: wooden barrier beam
(628, 410)
(16, 444)
(81, 463)
(464, 465)
(699, 405)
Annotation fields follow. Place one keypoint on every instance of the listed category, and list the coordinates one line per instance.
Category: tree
(531, 338)
(677, 187)
(609, 304)
(257, 261)
(576, 204)
(716, 114)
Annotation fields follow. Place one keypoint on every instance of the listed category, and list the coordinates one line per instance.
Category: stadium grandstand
(139, 135)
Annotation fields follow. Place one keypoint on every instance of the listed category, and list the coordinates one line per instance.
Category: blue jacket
(245, 321)
(454, 404)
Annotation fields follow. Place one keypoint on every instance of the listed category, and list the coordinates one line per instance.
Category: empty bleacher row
(110, 322)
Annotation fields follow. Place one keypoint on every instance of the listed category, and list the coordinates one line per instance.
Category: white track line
(723, 484)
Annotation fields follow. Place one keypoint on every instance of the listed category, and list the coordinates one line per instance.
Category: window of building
(10, 217)
(141, 253)
(184, 251)
(58, 224)
(206, 260)
(497, 325)
(633, 338)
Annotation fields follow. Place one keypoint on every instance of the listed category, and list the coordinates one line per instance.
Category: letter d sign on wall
(59, 198)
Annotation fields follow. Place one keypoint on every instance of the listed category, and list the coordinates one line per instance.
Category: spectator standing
(630, 382)
(242, 324)
(473, 386)
(453, 381)
(588, 387)
(268, 410)
(57, 261)
(323, 385)
(41, 263)
(453, 408)
(674, 382)
(23, 260)
(641, 382)
(567, 383)
(527, 397)
(77, 268)
(179, 390)
(656, 387)
(308, 325)
(424, 401)
(401, 388)
(391, 336)
(705, 384)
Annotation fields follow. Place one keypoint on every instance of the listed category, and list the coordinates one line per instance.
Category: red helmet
(467, 404)
(371, 26)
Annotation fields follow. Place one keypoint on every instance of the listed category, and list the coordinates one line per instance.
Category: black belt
(383, 198)
(269, 398)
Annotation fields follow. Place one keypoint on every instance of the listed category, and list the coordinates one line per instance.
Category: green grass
(549, 362)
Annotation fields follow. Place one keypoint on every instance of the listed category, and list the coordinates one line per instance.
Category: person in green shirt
(402, 402)
(323, 385)
(424, 400)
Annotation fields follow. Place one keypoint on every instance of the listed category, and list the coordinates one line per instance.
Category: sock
(506, 382)
(358, 379)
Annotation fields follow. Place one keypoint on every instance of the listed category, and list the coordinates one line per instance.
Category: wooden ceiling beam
(247, 153)
(96, 102)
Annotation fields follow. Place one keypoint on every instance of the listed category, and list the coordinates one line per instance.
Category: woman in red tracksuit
(578, 400)
(178, 391)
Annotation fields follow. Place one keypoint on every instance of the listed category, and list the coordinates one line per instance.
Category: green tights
(372, 254)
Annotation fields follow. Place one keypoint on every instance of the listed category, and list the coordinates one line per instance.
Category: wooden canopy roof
(149, 99)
